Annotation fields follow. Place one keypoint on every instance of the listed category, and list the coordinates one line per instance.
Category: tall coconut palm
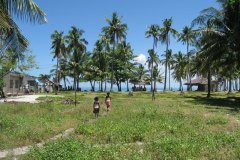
(123, 63)
(165, 32)
(106, 47)
(58, 48)
(25, 10)
(152, 61)
(76, 47)
(154, 32)
(100, 60)
(115, 31)
(212, 38)
(187, 37)
(169, 62)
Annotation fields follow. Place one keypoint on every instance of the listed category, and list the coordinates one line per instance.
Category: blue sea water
(85, 86)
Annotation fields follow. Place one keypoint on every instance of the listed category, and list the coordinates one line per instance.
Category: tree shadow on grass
(232, 103)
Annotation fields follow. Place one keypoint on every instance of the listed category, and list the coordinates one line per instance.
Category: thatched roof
(139, 82)
(199, 81)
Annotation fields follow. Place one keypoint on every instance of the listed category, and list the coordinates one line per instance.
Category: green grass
(172, 127)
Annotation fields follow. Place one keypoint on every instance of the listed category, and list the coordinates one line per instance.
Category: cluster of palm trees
(218, 47)
(214, 35)
(110, 60)
(214, 52)
(178, 62)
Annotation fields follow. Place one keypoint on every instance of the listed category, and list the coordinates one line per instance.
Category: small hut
(202, 84)
(139, 85)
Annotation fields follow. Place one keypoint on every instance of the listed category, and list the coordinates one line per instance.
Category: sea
(85, 86)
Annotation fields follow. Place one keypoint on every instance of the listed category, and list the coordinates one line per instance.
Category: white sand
(26, 98)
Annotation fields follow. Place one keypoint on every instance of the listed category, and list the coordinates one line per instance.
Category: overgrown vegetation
(172, 127)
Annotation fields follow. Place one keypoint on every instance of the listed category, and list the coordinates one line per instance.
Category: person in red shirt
(108, 101)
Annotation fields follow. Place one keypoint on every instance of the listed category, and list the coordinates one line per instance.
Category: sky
(90, 15)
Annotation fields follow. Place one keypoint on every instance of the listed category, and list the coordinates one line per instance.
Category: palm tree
(212, 39)
(153, 31)
(77, 48)
(141, 72)
(63, 71)
(169, 62)
(100, 60)
(123, 63)
(179, 65)
(164, 37)
(115, 31)
(25, 10)
(106, 48)
(152, 61)
(58, 48)
(157, 77)
(187, 37)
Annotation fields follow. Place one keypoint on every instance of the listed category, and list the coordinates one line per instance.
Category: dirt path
(25, 98)
(23, 150)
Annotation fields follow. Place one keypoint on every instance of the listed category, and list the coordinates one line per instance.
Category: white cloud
(141, 58)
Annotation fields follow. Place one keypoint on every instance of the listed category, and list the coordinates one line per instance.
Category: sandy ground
(25, 98)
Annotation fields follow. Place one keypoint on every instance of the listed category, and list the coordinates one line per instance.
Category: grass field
(172, 127)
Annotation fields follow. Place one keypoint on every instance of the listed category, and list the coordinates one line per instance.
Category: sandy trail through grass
(26, 98)
(23, 150)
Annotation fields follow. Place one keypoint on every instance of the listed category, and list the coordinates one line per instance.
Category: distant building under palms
(17, 83)
(202, 84)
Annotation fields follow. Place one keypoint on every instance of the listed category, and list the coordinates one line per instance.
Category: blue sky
(90, 16)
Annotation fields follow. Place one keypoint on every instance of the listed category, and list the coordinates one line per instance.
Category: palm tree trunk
(75, 89)
(111, 88)
(169, 85)
(236, 84)
(94, 84)
(224, 85)
(155, 85)
(120, 86)
(101, 84)
(180, 86)
(152, 77)
(233, 85)
(78, 79)
(152, 87)
(230, 85)
(209, 84)
(188, 74)
(166, 64)
(190, 82)
(56, 85)
(105, 86)
(239, 84)
(74, 79)
(153, 92)
(64, 80)
(91, 85)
